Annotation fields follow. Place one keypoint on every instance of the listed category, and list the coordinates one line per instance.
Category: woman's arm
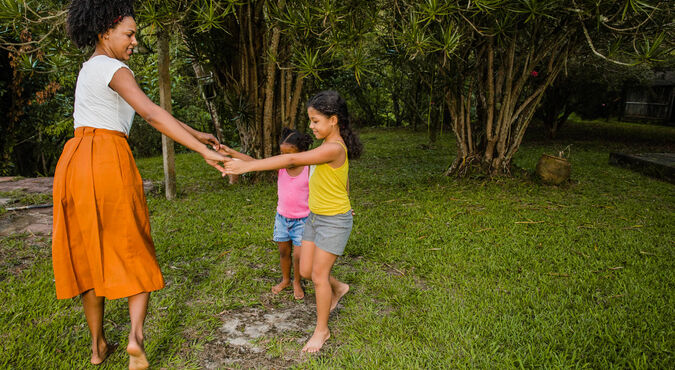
(203, 137)
(325, 153)
(123, 83)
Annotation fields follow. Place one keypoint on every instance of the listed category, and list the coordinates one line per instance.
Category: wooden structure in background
(655, 102)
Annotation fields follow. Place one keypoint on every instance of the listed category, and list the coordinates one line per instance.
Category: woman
(101, 243)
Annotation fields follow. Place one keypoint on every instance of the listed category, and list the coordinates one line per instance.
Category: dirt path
(37, 221)
(253, 337)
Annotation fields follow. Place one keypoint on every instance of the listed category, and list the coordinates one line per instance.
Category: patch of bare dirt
(254, 337)
(29, 185)
(36, 221)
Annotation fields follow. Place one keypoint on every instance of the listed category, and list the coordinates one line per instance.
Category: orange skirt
(101, 236)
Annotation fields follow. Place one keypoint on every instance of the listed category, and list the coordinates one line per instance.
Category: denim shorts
(286, 229)
(330, 233)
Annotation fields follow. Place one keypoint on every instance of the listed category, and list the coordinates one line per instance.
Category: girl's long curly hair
(89, 18)
(330, 103)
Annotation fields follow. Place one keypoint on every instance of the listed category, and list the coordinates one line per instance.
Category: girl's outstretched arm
(325, 153)
(226, 150)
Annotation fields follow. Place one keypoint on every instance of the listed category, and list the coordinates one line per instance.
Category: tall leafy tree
(498, 57)
(262, 53)
(35, 101)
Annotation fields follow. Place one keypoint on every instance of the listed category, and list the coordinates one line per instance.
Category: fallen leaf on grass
(395, 269)
(615, 268)
(581, 254)
(648, 253)
(633, 227)
(434, 249)
(560, 274)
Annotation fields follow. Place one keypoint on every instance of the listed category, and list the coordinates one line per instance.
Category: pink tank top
(293, 194)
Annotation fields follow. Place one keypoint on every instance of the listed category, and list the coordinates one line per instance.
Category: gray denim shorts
(330, 233)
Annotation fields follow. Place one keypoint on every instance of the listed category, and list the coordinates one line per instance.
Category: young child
(292, 207)
(330, 221)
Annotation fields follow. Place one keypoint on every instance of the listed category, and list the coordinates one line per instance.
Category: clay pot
(553, 170)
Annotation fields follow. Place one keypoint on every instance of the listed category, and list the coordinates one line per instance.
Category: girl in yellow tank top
(330, 221)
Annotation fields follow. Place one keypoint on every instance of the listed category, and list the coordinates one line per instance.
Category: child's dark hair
(89, 18)
(296, 138)
(330, 103)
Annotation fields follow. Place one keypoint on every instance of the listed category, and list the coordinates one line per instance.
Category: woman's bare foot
(137, 359)
(341, 290)
(281, 286)
(298, 292)
(101, 353)
(317, 340)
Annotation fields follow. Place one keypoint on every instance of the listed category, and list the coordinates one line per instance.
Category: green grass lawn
(444, 272)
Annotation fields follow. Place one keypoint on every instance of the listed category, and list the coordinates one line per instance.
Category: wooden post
(163, 61)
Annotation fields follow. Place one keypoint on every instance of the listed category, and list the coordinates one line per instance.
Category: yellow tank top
(328, 188)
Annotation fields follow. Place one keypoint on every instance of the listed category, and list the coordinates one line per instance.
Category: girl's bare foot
(317, 340)
(98, 355)
(137, 359)
(341, 290)
(281, 286)
(298, 292)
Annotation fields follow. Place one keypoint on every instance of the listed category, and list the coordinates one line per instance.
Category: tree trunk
(168, 155)
(508, 86)
(396, 108)
(268, 109)
(295, 102)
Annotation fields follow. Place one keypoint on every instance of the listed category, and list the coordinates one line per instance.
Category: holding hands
(238, 163)
(213, 158)
(236, 167)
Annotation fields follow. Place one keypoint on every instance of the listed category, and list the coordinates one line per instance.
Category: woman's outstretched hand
(208, 139)
(214, 159)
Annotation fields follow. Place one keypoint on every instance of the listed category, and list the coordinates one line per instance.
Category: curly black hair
(296, 138)
(89, 18)
(330, 103)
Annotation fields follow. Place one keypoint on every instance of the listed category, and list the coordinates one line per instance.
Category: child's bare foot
(337, 294)
(298, 292)
(137, 359)
(98, 355)
(317, 340)
(281, 286)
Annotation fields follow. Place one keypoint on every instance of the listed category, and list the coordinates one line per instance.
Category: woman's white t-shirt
(96, 104)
